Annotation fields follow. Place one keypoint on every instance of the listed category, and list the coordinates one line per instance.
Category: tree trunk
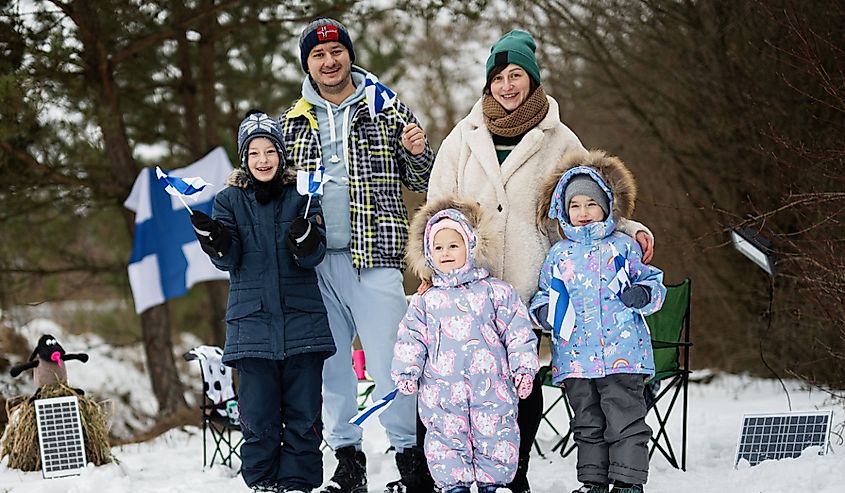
(158, 349)
(218, 294)
(218, 291)
(99, 75)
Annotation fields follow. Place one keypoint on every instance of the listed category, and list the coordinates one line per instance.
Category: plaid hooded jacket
(378, 165)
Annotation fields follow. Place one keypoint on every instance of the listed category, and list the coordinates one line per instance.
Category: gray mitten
(542, 313)
(636, 296)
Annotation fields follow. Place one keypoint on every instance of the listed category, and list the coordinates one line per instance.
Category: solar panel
(60, 438)
(777, 436)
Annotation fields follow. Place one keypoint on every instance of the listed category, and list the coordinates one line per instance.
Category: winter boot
(627, 488)
(414, 473)
(490, 488)
(593, 488)
(457, 489)
(265, 486)
(520, 481)
(351, 473)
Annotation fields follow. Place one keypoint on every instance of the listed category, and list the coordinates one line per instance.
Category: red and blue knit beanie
(323, 30)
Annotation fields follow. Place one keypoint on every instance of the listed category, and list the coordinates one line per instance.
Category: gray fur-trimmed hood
(476, 219)
(612, 170)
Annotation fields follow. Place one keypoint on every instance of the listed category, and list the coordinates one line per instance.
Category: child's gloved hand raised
(636, 296)
(524, 384)
(407, 386)
(213, 237)
(303, 239)
(542, 314)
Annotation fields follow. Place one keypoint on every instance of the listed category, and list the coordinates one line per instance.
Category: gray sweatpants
(609, 428)
(370, 304)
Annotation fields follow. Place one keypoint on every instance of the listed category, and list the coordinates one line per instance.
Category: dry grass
(20, 441)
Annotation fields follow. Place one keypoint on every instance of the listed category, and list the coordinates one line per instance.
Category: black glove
(213, 237)
(542, 314)
(303, 237)
(636, 296)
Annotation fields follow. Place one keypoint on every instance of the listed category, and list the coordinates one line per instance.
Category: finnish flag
(379, 96)
(185, 187)
(311, 183)
(166, 256)
(374, 409)
(621, 278)
(561, 315)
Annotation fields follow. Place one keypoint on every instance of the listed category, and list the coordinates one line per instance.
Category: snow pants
(279, 403)
(609, 428)
(469, 438)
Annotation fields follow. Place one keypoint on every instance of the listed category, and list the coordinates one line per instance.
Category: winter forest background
(729, 114)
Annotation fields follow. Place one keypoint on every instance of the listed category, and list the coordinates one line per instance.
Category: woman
(498, 155)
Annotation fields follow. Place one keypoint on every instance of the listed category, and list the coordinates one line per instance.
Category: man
(368, 160)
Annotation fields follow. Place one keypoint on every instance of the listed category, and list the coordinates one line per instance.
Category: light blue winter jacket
(608, 337)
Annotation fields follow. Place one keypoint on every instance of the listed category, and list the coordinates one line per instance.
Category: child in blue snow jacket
(277, 331)
(604, 359)
(468, 345)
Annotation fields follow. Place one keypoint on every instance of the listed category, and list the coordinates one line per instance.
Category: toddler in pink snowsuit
(468, 346)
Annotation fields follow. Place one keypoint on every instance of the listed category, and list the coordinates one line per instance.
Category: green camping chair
(562, 445)
(670, 339)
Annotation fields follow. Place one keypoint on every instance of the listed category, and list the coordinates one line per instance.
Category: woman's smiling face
(510, 87)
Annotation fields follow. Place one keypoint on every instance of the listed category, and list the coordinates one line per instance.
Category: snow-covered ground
(172, 463)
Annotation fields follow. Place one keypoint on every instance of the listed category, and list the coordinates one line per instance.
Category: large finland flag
(166, 256)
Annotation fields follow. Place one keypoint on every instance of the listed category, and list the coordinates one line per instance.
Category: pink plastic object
(359, 363)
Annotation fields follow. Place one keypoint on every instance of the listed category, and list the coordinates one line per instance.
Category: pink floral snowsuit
(465, 339)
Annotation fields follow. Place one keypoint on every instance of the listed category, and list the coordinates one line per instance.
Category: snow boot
(593, 488)
(413, 471)
(350, 476)
(265, 486)
(520, 481)
(627, 488)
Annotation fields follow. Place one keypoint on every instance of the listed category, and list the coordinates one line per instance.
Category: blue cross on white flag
(621, 278)
(374, 409)
(184, 187)
(311, 183)
(166, 256)
(379, 96)
(561, 312)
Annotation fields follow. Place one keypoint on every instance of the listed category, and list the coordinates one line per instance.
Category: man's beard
(336, 88)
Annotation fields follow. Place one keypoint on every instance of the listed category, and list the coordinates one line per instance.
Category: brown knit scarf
(521, 120)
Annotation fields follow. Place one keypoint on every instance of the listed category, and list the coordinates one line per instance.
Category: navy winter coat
(275, 309)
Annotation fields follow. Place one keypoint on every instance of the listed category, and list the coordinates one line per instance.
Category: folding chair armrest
(669, 344)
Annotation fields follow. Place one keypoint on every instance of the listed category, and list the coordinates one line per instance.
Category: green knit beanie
(515, 47)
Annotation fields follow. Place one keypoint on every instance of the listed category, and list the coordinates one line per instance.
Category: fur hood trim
(240, 179)
(612, 170)
(476, 219)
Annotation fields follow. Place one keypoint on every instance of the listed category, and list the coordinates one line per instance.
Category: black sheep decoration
(47, 362)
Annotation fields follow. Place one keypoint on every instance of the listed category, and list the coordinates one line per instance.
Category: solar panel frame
(782, 435)
(60, 439)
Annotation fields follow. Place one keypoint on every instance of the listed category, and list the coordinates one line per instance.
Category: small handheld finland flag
(374, 409)
(182, 187)
(561, 312)
(379, 97)
(186, 187)
(621, 278)
(311, 183)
